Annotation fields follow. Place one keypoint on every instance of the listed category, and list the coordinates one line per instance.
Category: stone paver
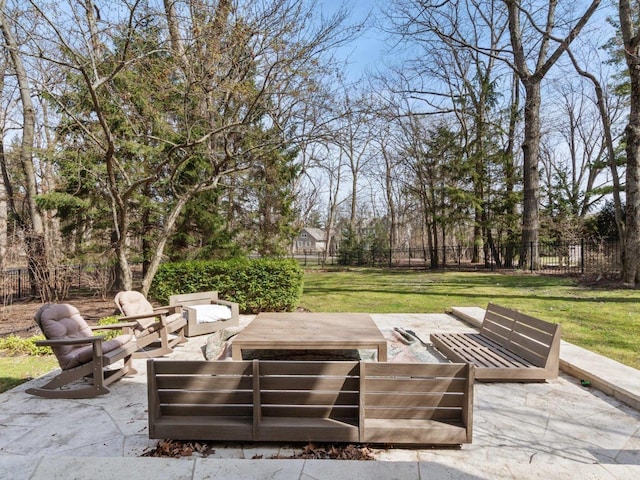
(558, 429)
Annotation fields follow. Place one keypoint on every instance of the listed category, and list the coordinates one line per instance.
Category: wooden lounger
(511, 346)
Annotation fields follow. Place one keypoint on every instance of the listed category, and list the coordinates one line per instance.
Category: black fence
(584, 257)
(15, 284)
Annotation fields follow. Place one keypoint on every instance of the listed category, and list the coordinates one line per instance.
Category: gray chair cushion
(63, 321)
(131, 303)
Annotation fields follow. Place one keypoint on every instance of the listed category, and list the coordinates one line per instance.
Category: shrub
(108, 334)
(263, 285)
(14, 345)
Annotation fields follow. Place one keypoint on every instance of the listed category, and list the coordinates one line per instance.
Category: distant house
(310, 240)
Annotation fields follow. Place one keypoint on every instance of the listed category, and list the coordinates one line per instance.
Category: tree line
(145, 130)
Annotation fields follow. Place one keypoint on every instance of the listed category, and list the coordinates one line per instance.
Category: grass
(19, 369)
(605, 321)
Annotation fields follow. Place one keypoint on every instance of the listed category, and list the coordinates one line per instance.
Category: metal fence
(16, 284)
(584, 257)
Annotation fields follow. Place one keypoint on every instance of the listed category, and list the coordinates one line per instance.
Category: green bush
(263, 285)
(14, 345)
(108, 334)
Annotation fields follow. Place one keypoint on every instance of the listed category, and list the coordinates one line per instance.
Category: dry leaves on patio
(178, 449)
(332, 452)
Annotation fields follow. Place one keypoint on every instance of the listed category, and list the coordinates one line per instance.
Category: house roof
(317, 233)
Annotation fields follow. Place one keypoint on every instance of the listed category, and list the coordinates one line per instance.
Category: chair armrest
(132, 318)
(69, 341)
(167, 310)
(232, 305)
(113, 326)
(128, 318)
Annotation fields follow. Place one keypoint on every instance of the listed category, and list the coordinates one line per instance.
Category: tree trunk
(531, 81)
(531, 152)
(388, 178)
(631, 270)
(4, 217)
(34, 227)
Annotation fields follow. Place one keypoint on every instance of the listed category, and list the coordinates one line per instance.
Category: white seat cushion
(211, 313)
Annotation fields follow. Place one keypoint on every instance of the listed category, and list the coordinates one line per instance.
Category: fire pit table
(310, 331)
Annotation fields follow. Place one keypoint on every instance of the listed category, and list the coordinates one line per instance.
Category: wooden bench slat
(207, 382)
(536, 323)
(375, 384)
(323, 368)
(402, 400)
(310, 397)
(203, 428)
(309, 383)
(204, 410)
(186, 397)
(543, 337)
(481, 351)
(308, 429)
(414, 432)
(319, 411)
(417, 370)
(442, 414)
(199, 367)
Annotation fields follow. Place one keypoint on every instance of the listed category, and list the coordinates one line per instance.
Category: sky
(367, 52)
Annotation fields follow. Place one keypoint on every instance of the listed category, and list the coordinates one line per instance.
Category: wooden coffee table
(310, 331)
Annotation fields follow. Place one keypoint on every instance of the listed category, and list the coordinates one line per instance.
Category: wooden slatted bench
(510, 346)
(319, 401)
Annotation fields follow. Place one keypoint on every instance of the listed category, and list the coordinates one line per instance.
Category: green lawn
(606, 321)
(19, 369)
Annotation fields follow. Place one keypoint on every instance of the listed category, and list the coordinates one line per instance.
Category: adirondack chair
(152, 322)
(87, 361)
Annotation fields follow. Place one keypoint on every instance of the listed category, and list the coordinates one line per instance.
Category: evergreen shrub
(261, 285)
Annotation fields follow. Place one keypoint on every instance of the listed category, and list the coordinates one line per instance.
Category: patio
(557, 429)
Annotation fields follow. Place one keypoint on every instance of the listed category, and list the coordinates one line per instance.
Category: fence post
(582, 256)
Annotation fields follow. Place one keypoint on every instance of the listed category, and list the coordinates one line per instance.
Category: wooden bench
(317, 401)
(511, 346)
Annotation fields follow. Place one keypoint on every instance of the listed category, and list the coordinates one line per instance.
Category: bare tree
(353, 138)
(607, 115)
(573, 159)
(532, 60)
(30, 221)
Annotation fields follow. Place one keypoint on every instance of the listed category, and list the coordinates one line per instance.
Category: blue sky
(367, 51)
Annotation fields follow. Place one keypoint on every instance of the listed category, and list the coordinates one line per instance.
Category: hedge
(262, 285)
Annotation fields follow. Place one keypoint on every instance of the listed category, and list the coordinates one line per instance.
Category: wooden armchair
(154, 325)
(201, 319)
(82, 356)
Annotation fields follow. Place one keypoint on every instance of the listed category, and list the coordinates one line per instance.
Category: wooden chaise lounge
(321, 401)
(510, 347)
